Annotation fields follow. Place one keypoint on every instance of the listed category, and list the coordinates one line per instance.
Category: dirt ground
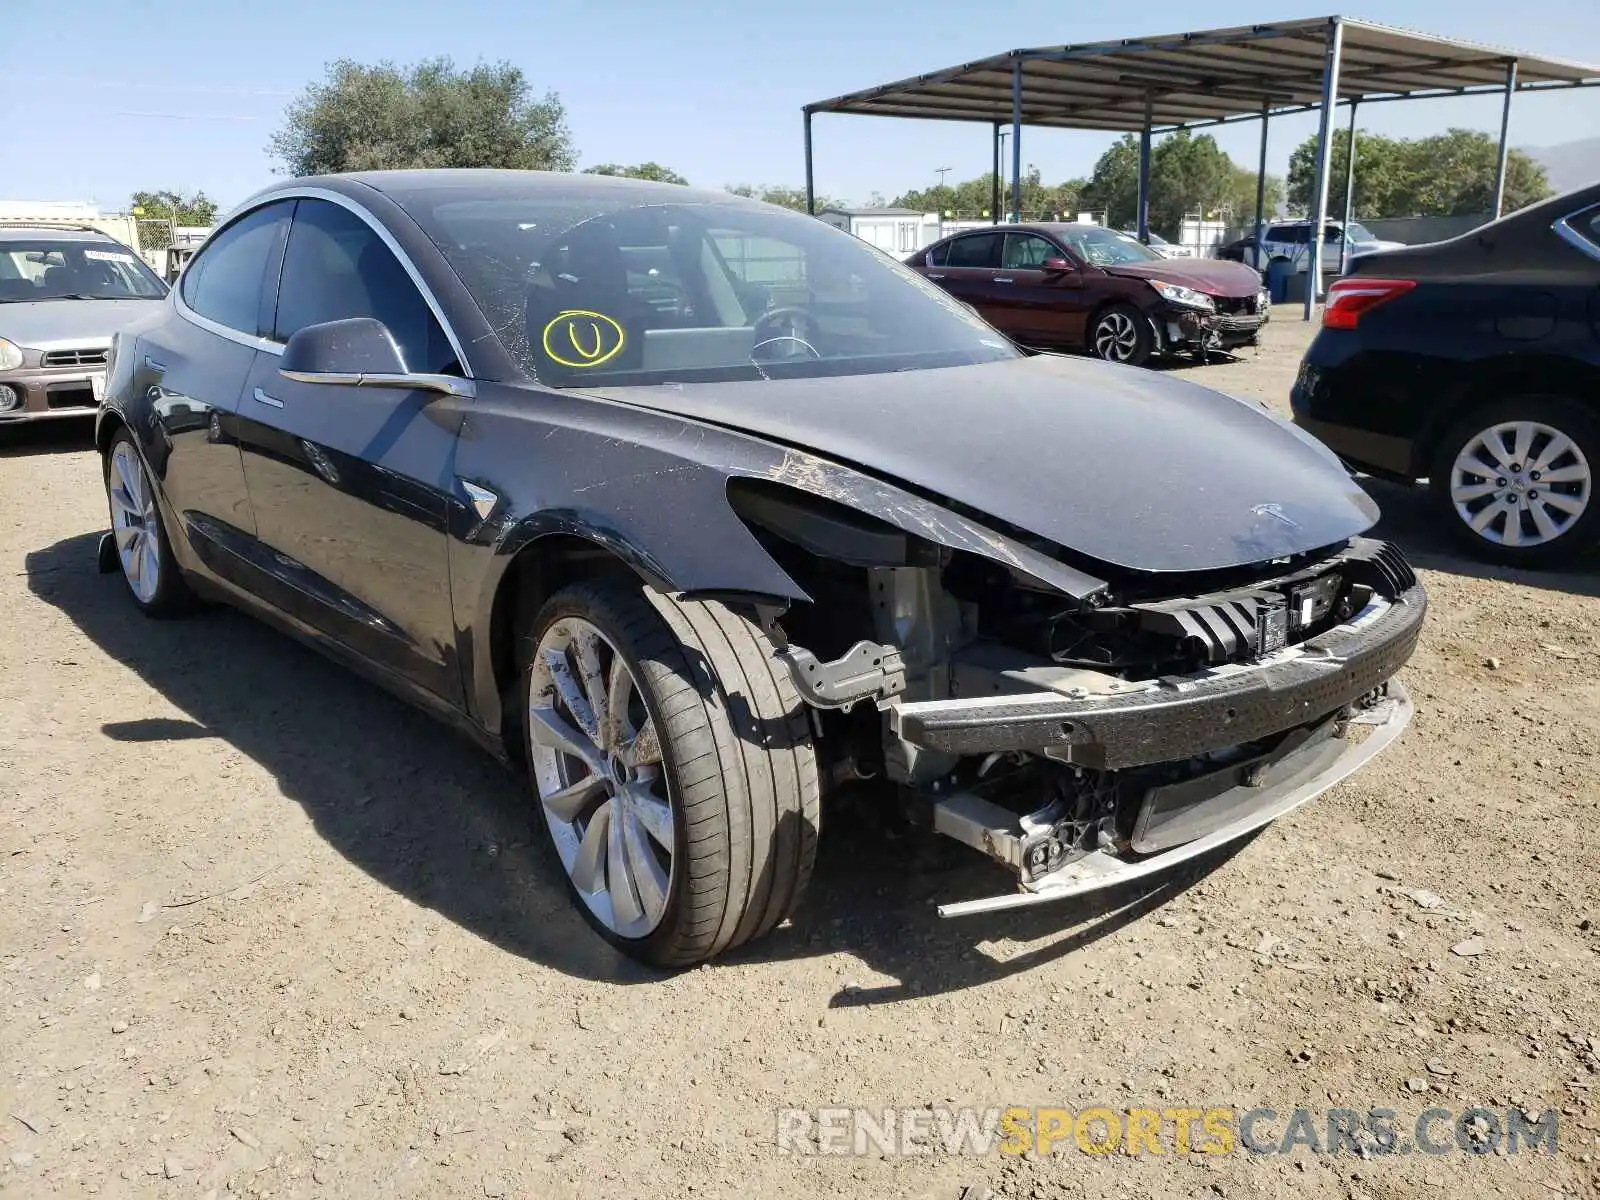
(264, 931)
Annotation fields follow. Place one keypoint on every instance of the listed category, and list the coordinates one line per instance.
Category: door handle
(1002, 279)
(263, 398)
(932, 275)
(152, 365)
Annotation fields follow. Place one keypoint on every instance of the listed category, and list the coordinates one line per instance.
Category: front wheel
(674, 766)
(1514, 482)
(1121, 334)
(143, 549)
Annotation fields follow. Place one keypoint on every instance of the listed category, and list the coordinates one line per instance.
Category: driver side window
(335, 266)
(1028, 251)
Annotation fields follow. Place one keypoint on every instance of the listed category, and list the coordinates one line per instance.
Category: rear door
(191, 371)
(352, 486)
(970, 263)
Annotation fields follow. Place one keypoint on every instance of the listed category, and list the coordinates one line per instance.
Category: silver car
(63, 292)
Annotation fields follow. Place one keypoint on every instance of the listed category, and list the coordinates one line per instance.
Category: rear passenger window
(336, 266)
(975, 250)
(223, 283)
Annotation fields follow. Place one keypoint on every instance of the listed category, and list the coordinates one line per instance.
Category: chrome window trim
(292, 192)
(1584, 244)
(221, 330)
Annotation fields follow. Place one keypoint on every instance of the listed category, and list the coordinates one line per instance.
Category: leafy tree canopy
(1449, 174)
(784, 197)
(1188, 174)
(652, 171)
(972, 198)
(429, 114)
(194, 209)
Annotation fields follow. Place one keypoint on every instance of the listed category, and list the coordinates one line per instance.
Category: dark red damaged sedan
(1084, 287)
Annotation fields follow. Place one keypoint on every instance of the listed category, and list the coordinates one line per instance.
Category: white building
(897, 231)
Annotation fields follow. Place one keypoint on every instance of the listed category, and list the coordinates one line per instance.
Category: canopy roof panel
(1209, 77)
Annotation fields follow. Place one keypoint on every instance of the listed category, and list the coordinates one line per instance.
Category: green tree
(1188, 174)
(972, 198)
(194, 209)
(430, 114)
(783, 197)
(1449, 174)
(652, 171)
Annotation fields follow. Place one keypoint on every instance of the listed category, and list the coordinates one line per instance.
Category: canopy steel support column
(1261, 185)
(1319, 206)
(1016, 140)
(811, 190)
(1505, 129)
(994, 182)
(1144, 175)
(1349, 192)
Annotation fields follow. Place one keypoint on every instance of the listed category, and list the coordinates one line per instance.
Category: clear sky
(98, 99)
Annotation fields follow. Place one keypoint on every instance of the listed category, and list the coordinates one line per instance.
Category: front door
(1034, 306)
(192, 370)
(351, 486)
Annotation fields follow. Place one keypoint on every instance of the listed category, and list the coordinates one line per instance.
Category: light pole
(1004, 134)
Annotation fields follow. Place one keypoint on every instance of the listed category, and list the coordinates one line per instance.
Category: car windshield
(1105, 247)
(1360, 233)
(56, 270)
(587, 287)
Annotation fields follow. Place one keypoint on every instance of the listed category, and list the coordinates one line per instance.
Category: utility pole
(941, 172)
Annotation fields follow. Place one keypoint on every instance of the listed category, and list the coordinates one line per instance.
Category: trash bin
(1279, 272)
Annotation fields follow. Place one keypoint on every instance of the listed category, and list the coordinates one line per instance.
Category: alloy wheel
(1520, 483)
(596, 761)
(1115, 337)
(134, 523)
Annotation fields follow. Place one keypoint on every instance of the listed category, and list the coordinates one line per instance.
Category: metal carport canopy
(1190, 80)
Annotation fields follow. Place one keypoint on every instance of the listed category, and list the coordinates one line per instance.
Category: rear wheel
(674, 767)
(1515, 481)
(1121, 334)
(143, 548)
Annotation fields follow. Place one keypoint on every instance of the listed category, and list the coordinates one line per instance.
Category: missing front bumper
(1172, 719)
(1303, 774)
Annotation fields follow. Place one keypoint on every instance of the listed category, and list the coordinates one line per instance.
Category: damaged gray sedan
(697, 510)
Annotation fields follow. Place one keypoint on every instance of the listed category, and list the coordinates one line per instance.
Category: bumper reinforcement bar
(1174, 719)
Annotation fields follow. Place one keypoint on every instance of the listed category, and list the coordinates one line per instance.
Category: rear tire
(144, 551)
(720, 740)
(1121, 334)
(1514, 482)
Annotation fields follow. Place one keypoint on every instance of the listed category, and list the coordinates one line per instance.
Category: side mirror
(358, 352)
(1057, 266)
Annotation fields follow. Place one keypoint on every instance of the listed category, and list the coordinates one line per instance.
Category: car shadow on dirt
(1410, 522)
(64, 435)
(434, 818)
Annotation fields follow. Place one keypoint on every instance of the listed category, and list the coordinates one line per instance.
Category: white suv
(1288, 239)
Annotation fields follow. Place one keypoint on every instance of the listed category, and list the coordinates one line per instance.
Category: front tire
(143, 549)
(1121, 334)
(674, 766)
(1514, 482)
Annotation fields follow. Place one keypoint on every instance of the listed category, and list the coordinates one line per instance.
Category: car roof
(432, 186)
(43, 230)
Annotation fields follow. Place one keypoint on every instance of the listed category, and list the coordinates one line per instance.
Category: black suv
(1475, 363)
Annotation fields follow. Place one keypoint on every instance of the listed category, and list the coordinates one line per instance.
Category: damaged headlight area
(1188, 297)
(1085, 740)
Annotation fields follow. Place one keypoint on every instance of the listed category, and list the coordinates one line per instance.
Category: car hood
(1214, 276)
(1120, 464)
(64, 324)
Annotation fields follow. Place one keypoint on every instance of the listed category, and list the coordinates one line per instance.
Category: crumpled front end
(1088, 741)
